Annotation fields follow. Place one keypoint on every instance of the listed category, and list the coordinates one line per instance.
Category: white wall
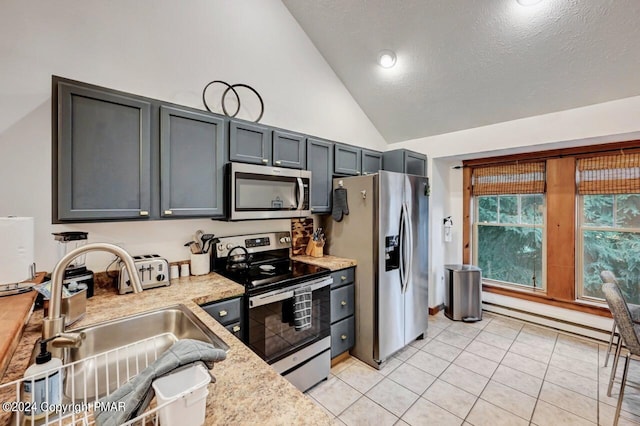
(162, 49)
(607, 122)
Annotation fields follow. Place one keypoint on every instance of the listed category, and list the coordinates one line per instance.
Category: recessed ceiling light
(528, 2)
(387, 59)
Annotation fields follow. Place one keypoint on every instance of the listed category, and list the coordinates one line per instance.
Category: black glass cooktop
(274, 274)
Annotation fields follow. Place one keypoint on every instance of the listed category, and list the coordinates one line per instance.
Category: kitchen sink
(114, 351)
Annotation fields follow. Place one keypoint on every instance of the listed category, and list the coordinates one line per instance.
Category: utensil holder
(200, 264)
(73, 307)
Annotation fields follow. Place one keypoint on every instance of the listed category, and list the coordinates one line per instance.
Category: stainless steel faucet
(53, 325)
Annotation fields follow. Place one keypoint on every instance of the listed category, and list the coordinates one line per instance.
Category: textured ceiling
(469, 63)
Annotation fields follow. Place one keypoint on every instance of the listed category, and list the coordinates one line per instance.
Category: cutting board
(14, 314)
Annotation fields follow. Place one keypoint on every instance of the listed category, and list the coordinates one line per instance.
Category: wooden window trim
(561, 222)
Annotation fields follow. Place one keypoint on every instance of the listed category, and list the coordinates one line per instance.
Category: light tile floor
(498, 371)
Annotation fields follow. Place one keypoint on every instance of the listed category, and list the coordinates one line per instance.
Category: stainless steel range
(276, 287)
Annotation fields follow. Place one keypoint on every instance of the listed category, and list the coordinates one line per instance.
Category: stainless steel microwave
(263, 192)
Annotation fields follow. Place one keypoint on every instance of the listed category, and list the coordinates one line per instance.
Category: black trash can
(463, 293)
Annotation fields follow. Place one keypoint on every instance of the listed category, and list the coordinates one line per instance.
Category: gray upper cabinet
(249, 143)
(347, 160)
(405, 161)
(102, 143)
(191, 163)
(320, 162)
(289, 150)
(371, 161)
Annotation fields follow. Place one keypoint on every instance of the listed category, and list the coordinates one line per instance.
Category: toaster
(153, 271)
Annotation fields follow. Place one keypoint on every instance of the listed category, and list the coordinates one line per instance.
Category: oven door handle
(286, 293)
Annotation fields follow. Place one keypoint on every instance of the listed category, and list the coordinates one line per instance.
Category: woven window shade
(611, 174)
(524, 178)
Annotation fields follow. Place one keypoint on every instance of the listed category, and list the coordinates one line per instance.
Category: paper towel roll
(16, 248)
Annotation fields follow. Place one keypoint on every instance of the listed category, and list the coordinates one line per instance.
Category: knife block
(315, 248)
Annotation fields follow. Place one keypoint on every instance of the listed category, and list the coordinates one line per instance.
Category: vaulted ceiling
(469, 63)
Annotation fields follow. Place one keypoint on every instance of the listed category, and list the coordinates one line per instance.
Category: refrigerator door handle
(402, 248)
(409, 252)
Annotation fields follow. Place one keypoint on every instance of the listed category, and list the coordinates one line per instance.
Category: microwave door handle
(300, 193)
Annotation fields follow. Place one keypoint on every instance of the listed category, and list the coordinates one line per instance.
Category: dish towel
(136, 394)
(340, 206)
(302, 308)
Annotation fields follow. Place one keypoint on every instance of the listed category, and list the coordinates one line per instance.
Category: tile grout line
(543, 377)
(489, 381)
(436, 378)
(543, 381)
(556, 342)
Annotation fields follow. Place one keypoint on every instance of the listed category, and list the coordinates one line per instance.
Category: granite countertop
(247, 390)
(327, 261)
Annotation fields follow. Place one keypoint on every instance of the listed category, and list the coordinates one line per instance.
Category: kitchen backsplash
(301, 232)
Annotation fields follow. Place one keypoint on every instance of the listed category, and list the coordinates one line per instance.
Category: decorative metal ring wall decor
(204, 100)
(232, 88)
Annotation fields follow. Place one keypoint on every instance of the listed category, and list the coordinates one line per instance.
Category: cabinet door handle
(223, 313)
(343, 337)
(265, 160)
(168, 212)
(144, 213)
(342, 277)
(278, 162)
(236, 328)
(343, 303)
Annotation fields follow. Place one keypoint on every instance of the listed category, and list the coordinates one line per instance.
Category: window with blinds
(609, 223)
(519, 178)
(508, 226)
(612, 174)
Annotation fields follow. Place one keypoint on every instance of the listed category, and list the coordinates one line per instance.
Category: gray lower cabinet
(342, 338)
(371, 161)
(347, 160)
(343, 277)
(289, 150)
(102, 143)
(405, 161)
(228, 313)
(342, 310)
(320, 163)
(191, 163)
(249, 143)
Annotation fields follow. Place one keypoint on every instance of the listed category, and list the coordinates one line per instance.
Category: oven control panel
(254, 243)
(257, 242)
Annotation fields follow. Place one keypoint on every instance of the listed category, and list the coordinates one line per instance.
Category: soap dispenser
(42, 384)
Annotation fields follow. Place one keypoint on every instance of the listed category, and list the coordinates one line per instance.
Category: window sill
(513, 287)
(539, 297)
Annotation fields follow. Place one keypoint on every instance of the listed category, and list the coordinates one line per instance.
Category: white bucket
(188, 387)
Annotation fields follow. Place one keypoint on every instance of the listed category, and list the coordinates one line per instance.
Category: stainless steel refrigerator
(386, 231)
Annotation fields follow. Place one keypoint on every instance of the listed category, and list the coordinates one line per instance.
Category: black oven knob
(160, 277)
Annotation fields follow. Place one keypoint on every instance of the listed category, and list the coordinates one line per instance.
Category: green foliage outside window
(511, 254)
(617, 248)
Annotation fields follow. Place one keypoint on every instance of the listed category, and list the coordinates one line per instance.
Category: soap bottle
(42, 387)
